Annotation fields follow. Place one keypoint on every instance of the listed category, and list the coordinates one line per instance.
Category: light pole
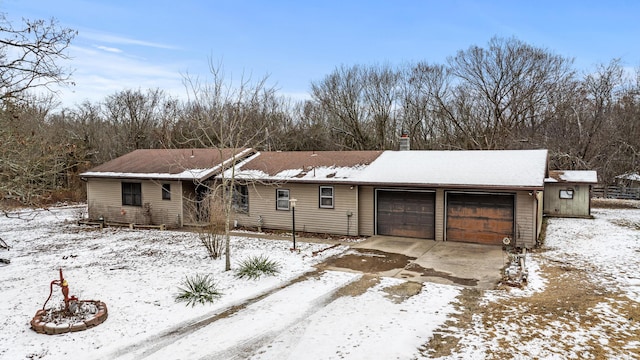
(293, 216)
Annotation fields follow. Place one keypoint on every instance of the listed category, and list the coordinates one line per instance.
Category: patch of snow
(137, 274)
(361, 327)
(629, 176)
(520, 168)
(583, 176)
(610, 243)
(329, 173)
(190, 174)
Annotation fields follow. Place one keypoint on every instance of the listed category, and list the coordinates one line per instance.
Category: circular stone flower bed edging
(89, 313)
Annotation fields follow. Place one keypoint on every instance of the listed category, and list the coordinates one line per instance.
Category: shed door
(479, 218)
(406, 214)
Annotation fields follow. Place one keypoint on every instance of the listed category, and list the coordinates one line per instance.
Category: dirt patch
(403, 291)
(357, 287)
(434, 273)
(445, 340)
(572, 314)
(627, 223)
(369, 261)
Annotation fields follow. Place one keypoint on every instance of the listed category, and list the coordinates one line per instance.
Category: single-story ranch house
(470, 196)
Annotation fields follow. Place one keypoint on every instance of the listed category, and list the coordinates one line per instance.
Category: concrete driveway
(444, 262)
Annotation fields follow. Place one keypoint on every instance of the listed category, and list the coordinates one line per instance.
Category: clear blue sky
(125, 44)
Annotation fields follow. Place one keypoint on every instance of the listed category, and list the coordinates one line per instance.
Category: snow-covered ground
(292, 315)
(581, 301)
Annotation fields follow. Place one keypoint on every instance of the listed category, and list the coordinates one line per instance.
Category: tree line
(506, 94)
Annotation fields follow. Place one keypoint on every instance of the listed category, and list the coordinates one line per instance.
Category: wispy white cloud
(108, 49)
(116, 39)
(101, 71)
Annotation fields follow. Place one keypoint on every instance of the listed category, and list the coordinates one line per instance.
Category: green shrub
(254, 267)
(198, 289)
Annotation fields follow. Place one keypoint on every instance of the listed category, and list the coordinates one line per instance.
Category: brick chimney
(405, 143)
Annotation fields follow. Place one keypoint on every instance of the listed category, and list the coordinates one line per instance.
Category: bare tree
(34, 163)
(138, 117)
(503, 91)
(424, 94)
(31, 56)
(340, 96)
(222, 114)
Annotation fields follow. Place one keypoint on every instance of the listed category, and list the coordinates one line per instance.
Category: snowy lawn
(581, 300)
(137, 274)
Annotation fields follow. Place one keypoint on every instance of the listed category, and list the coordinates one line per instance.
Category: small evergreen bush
(254, 267)
(198, 289)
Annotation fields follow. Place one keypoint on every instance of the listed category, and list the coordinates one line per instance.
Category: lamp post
(293, 216)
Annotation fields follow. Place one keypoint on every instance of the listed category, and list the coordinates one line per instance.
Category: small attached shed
(568, 193)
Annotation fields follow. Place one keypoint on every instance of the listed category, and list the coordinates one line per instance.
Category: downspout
(537, 211)
(539, 198)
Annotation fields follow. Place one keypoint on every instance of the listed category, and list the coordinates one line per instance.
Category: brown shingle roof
(166, 161)
(274, 162)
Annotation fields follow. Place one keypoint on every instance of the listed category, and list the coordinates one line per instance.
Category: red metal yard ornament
(76, 315)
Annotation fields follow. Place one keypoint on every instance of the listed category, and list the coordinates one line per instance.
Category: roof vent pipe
(405, 143)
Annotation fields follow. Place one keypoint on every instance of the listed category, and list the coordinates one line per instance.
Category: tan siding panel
(440, 214)
(104, 198)
(525, 219)
(367, 213)
(161, 211)
(309, 216)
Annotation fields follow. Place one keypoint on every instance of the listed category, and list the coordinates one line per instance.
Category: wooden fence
(615, 192)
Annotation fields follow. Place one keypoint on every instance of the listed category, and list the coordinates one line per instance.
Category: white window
(326, 197)
(282, 199)
(566, 194)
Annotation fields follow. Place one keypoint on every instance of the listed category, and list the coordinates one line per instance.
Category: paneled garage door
(406, 213)
(479, 218)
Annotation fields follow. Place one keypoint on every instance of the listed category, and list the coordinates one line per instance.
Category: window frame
(240, 198)
(324, 197)
(131, 191)
(566, 194)
(278, 199)
(166, 191)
